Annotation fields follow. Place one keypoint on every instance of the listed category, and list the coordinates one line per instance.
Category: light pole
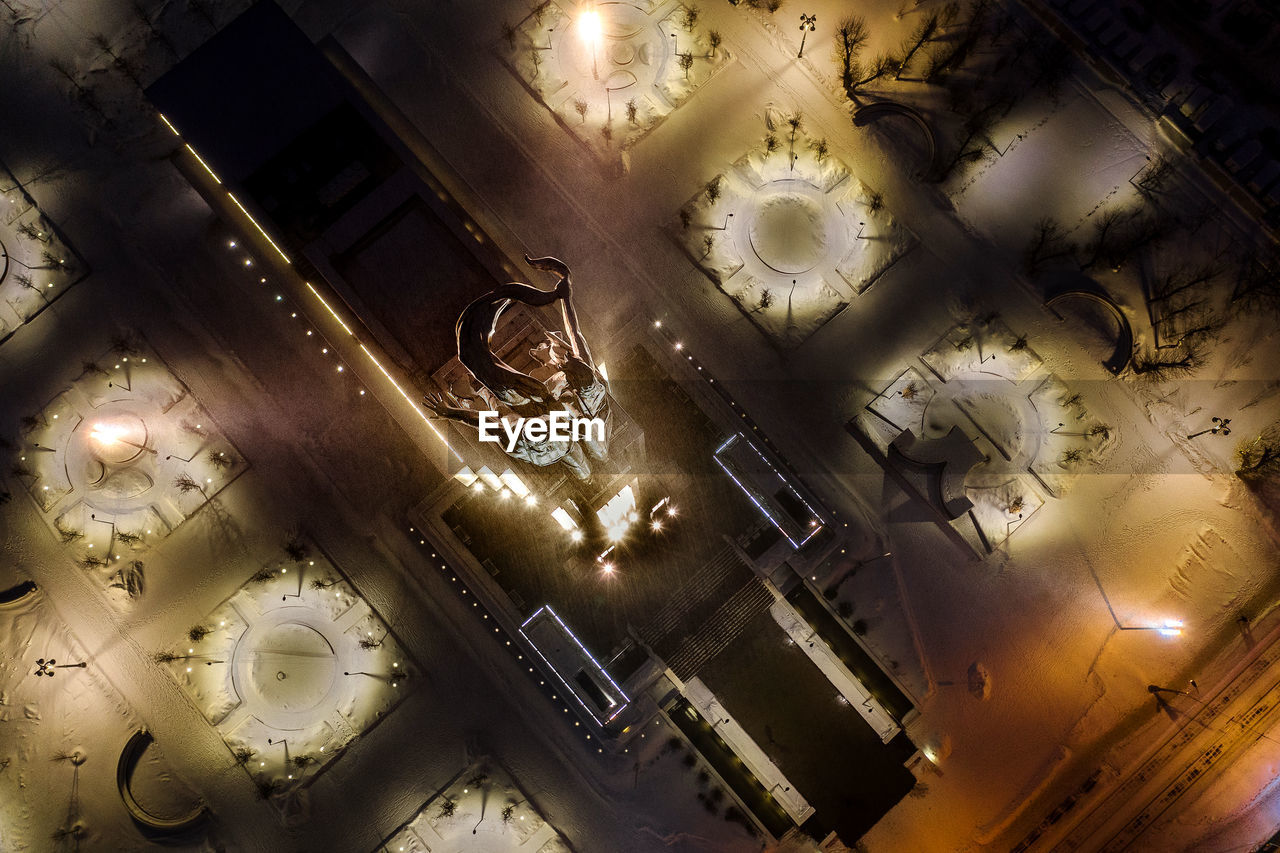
(110, 435)
(46, 667)
(1219, 428)
(589, 22)
(808, 23)
(1167, 628)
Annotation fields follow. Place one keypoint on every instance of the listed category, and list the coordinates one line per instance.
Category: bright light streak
(261, 231)
(563, 518)
(330, 310)
(513, 482)
(106, 433)
(590, 27)
(206, 165)
(626, 700)
(1170, 628)
(412, 404)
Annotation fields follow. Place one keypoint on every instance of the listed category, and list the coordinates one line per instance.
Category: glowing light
(590, 26)
(465, 476)
(513, 482)
(200, 159)
(576, 535)
(317, 295)
(249, 216)
(598, 668)
(565, 520)
(1170, 628)
(106, 433)
(618, 514)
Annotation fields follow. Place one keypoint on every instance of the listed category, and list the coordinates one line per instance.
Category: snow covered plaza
(932, 495)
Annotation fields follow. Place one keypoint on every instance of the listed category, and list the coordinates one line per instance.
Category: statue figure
(566, 378)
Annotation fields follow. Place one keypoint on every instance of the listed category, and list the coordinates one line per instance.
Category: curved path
(17, 594)
(865, 115)
(1083, 287)
(129, 756)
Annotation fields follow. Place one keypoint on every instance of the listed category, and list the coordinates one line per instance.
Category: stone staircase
(718, 632)
(695, 600)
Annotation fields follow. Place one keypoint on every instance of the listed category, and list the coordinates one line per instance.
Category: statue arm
(441, 408)
(564, 290)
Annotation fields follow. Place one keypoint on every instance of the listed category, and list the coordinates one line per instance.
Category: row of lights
(519, 656)
(280, 298)
(678, 346)
(324, 349)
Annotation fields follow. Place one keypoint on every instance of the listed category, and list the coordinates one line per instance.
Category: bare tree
(883, 65)
(1105, 230)
(186, 483)
(922, 35)
(1259, 458)
(1256, 284)
(119, 62)
(820, 149)
(713, 189)
(580, 107)
(1182, 281)
(1154, 175)
(690, 18)
(686, 62)
(296, 547)
(1159, 365)
(1048, 243)
(632, 109)
(144, 15)
(24, 281)
(48, 169)
(715, 40)
(850, 37)
(972, 141)
(950, 58)
(130, 579)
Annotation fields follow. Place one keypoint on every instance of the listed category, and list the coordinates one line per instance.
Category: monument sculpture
(566, 378)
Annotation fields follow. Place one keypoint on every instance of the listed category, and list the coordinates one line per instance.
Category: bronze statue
(566, 379)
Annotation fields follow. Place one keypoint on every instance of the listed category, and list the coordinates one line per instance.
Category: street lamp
(1167, 628)
(46, 667)
(808, 23)
(591, 28)
(107, 434)
(1219, 428)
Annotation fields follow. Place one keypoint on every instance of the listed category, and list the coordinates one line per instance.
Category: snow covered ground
(1026, 679)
